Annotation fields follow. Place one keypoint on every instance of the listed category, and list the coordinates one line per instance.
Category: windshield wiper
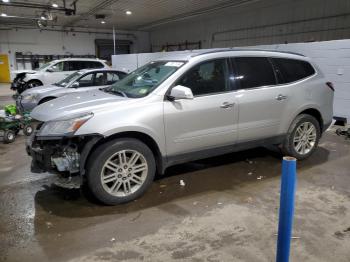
(112, 91)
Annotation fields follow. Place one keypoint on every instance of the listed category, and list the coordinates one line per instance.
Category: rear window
(291, 70)
(254, 72)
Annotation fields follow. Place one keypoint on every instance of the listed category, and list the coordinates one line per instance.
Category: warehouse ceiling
(123, 14)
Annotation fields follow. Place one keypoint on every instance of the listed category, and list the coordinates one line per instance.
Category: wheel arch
(316, 114)
(46, 99)
(145, 138)
(35, 80)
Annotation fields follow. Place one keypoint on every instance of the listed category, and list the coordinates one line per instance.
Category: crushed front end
(18, 84)
(64, 156)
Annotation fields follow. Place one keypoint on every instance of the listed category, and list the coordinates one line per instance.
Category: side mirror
(75, 85)
(180, 92)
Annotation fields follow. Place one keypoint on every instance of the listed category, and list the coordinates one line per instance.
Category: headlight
(64, 126)
(30, 97)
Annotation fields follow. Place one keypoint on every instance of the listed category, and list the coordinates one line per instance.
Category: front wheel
(120, 171)
(302, 137)
(9, 136)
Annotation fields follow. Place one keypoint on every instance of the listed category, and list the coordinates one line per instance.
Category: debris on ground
(195, 203)
(249, 200)
(332, 187)
(250, 173)
(219, 203)
(249, 161)
(48, 224)
(162, 186)
(59, 235)
(112, 239)
(260, 177)
(182, 183)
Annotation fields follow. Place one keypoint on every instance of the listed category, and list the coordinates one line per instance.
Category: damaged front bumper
(63, 156)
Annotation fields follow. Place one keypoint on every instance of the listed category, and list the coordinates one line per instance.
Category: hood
(41, 89)
(75, 104)
(24, 71)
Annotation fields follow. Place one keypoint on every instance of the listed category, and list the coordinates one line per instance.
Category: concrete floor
(227, 211)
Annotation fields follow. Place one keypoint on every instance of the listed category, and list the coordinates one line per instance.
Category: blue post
(286, 213)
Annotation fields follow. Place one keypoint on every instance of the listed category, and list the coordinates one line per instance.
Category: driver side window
(87, 80)
(207, 78)
(59, 67)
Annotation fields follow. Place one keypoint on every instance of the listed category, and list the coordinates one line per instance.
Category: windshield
(144, 80)
(44, 66)
(68, 79)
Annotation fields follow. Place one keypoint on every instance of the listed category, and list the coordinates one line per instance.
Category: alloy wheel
(124, 173)
(305, 138)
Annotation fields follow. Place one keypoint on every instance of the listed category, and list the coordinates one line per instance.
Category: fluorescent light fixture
(103, 22)
(128, 12)
(6, 1)
(54, 5)
(3, 14)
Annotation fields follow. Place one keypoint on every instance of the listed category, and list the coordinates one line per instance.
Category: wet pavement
(225, 211)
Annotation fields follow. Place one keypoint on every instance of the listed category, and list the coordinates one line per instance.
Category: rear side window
(93, 64)
(253, 72)
(291, 70)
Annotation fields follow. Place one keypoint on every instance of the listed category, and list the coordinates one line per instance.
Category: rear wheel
(303, 137)
(120, 171)
(9, 136)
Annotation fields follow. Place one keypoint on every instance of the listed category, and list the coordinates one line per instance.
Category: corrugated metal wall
(262, 22)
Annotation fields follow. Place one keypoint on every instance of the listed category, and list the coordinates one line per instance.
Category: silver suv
(181, 108)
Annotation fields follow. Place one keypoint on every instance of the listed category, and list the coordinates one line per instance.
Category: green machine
(11, 123)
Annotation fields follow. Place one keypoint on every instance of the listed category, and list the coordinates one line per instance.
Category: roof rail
(245, 49)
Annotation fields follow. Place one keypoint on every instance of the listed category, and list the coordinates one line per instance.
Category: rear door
(209, 120)
(262, 102)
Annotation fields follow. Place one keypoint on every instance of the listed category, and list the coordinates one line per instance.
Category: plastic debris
(249, 161)
(219, 203)
(49, 224)
(260, 177)
(112, 239)
(162, 186)
(250, 173)
(182, 183)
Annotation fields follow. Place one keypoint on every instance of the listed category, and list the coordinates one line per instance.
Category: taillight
(330, 85)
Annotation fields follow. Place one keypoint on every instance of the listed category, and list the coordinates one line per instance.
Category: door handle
(281, 97)
(227, 105)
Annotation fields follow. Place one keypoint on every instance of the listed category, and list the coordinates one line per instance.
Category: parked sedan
(80, 81)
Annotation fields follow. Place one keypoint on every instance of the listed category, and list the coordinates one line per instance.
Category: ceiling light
(42, 17)
(103, 22)
(54, 5)
(6, 1)
(128, 12)
(3, 14)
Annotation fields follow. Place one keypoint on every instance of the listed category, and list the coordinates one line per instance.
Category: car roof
(87, 70)
(188, 55)
(79, 59)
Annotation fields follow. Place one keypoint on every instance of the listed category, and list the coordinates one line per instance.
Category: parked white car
(53, 72)
(81, 81)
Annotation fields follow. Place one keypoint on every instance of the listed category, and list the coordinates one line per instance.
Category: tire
(33, 83)
(308, 143)
(123, 178)
(9, 136)
(28, 129)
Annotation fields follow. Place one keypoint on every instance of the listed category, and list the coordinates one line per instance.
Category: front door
(209, 120)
